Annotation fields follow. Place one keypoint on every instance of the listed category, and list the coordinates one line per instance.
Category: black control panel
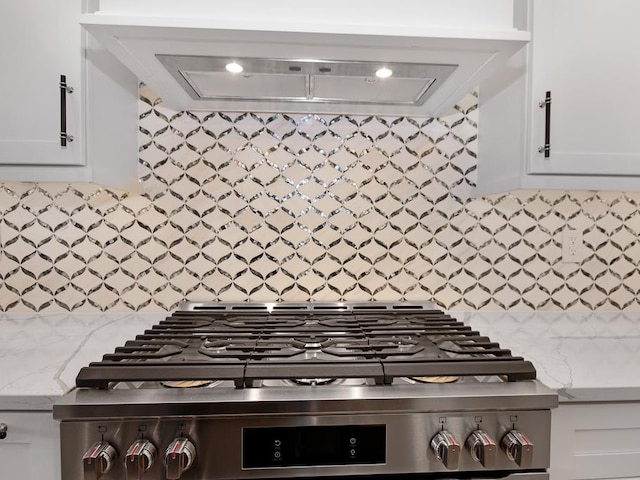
(313, 446)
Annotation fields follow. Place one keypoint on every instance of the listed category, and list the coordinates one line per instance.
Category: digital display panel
(313, 446)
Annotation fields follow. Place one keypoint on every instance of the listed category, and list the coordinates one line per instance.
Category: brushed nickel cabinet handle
(546, 104)
(64, 89)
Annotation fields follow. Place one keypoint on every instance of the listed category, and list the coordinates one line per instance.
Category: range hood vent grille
(305, 81)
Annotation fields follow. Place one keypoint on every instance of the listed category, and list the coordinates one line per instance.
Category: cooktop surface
(307, 344)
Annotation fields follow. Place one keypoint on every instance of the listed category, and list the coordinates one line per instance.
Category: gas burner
(374, 347)
(255, 324)
(190, 383)
(312, 343)
(434, 379)
(238, 348)
(313, 382)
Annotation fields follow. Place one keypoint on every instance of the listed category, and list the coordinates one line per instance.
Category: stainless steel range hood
(298, 59)
(305, 81)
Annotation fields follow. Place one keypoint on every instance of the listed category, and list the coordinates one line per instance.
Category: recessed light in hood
(305, 80)
(384, 72)
(233, 67)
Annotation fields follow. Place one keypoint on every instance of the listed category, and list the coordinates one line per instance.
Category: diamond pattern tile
(268, 207)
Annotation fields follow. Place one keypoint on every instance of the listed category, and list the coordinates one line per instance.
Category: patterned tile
(267, 207)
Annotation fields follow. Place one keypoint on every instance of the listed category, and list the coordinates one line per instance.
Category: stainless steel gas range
(264, 391)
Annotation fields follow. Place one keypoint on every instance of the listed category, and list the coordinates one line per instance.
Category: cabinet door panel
(596, 442)
(587, 53)
(15, 458)
(41, 41)
(30, 450)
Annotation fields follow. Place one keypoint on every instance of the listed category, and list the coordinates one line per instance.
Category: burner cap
(439, 379)
(186, 383)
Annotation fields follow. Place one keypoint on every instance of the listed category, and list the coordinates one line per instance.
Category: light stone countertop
(41, 354)
(584, 356)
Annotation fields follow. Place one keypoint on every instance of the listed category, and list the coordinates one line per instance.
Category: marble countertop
(41, 354)
(584, 356)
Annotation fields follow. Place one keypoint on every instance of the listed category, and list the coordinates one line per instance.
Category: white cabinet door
(30, 450)
(587, 54)
(595, 441)
(41, 40)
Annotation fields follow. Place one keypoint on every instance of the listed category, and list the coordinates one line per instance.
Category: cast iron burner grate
(306, 341)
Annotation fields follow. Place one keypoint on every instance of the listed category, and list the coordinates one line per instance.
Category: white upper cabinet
(586, 53)
(41, 41)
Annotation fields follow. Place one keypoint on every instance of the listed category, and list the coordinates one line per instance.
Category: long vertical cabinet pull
(546, 104)
(64, 89)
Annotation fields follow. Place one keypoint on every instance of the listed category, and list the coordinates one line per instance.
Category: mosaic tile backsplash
(273, 207)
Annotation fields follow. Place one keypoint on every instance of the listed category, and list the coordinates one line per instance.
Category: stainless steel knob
(140, 456)
(518, 448)
(3, 431)
(482, 448)
(98, 460)
(446, 449)
(179, 457)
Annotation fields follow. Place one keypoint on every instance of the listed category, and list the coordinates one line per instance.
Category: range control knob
(518, 448)
(179, 457)
(140, 457)
(482, 448)
(446, 449)
(98, 460)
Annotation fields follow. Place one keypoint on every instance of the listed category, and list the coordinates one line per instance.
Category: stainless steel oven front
(179, 435)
